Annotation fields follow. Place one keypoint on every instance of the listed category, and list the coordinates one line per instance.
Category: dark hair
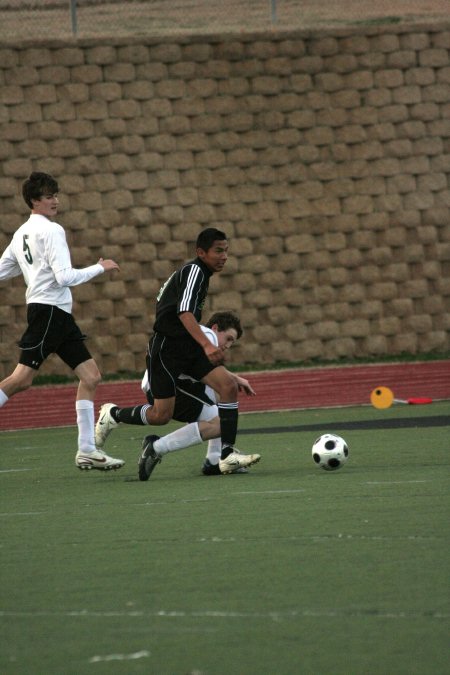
(225, 320)
(37, 185)
(207, 237)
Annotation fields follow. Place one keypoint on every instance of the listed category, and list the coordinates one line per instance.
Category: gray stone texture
(324, 157)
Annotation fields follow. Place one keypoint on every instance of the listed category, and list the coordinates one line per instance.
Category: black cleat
(149, 458)
(209, 469)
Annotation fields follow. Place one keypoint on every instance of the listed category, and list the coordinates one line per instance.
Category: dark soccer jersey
(184, 291)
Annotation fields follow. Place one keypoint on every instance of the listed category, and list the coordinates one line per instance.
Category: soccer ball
(330, 452)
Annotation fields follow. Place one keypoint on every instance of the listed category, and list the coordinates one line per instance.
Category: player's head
(207, 237)
(224, 320)
(212, 248)
(227, 327)
(38, 185)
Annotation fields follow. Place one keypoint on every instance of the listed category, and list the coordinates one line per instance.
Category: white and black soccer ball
(330, 452)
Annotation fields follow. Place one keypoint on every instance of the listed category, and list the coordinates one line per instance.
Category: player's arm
(61, 264)
(214, 354)
(244, 385)
(9, 267)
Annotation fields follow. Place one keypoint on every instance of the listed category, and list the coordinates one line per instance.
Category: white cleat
(97, 460)
(105, 424)
(236, 461)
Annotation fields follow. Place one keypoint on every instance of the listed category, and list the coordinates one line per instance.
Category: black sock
(228, 413)
(135, 415)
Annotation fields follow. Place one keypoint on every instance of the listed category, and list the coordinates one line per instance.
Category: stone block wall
(324, 157)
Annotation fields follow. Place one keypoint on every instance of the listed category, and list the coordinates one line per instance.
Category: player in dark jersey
(179, 345)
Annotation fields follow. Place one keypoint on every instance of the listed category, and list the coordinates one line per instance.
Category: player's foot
(237, 460)
(149, 457)
(105, 424)
(97, 460)
(209, 469)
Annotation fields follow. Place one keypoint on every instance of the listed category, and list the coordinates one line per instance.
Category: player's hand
(109, 265)
(244, 385)
(214, 354)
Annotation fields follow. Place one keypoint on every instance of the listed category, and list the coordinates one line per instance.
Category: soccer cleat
(236, 461)
(97, 460)
(105, 424)
(209, 469)
(149, 458)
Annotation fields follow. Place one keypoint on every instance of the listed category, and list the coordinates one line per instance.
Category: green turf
(286, 570)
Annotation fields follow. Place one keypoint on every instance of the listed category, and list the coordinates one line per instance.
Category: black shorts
(168, 358)
(189, 401)
(51, 330)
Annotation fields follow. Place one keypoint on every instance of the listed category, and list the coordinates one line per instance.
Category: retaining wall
(324, 157)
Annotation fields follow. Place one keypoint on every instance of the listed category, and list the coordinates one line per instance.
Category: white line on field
(209, 499)
(25, 513)
(274, 615)
(120, 657)
(13, 470)
(394, 482)
(267, 492)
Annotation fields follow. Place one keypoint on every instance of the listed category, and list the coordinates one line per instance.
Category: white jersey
(212, 337)
(39, 251)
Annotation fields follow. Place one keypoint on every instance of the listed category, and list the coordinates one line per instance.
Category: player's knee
(159, 414)
(91, 379)
(209, 429)
(18, 382)
(22, 385)
(229, 390)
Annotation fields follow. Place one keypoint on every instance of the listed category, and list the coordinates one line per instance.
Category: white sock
(179, 439)
(85, 421)
(214, 450)
(3, 398)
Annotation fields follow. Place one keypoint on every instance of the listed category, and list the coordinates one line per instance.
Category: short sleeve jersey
(184, 291)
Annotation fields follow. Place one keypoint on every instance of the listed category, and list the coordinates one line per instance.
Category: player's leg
(214, 465)
(226, 387)
(111, 415)
(88, 455)
(188, 406)
(231, 460)
(89, 377)
(20, 379)
(73, 351)
(36, 343)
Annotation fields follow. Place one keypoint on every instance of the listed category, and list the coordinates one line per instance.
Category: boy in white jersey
(39, 252)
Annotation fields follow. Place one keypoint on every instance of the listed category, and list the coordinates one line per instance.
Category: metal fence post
(273, 4)
(73, 16)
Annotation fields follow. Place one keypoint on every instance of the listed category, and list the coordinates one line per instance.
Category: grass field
(286, 570)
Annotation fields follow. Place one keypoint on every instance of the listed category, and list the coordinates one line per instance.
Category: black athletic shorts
(168, 358)
(189, 401)
(51, 330)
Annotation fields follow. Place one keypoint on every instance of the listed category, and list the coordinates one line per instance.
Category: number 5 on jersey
(26, 250)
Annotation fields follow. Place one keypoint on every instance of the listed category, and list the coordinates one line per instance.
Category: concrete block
(355, 328)
(17, 168)
(436, 340)
(376, 345)
(309, 349)
(282, 351)
(433, 57)
(424, 111)
(341, 63)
